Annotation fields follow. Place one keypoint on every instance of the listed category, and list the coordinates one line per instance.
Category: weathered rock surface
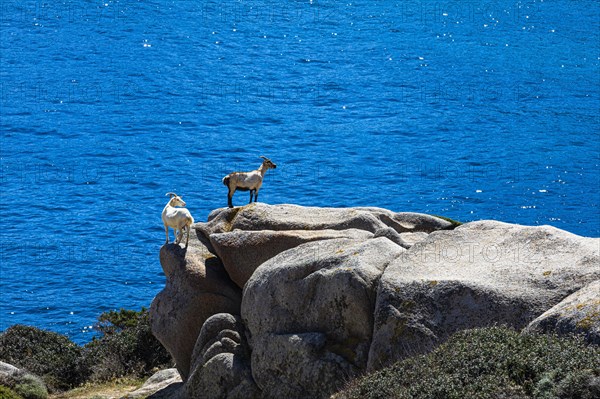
(258, 216)
(413, 238)
(221, 361)
(7, 369)
(163, 384)
(331, 293)
(577, 313)
(243, 251)
(309, 312)
(480, 274)
(197, 287)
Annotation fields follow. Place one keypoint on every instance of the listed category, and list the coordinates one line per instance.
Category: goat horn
(265, 158)
(171, 194)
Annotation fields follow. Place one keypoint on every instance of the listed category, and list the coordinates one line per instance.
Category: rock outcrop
(7, 370)
(380, 222)
(480, 274)
(331, 293)
(221, 361)
(163, 384)
(309, 314)
(579, 313)
(197, 287)
(243, 251)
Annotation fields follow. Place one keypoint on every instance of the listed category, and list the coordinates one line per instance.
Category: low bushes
(490, 363)
(22, 385)
(31, 387)
(7, 393)
(52, 356)
(126, 347)
(479, 364)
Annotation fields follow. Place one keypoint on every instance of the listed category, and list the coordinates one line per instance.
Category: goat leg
(229, 197)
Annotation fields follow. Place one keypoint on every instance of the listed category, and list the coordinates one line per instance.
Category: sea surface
(472, 110)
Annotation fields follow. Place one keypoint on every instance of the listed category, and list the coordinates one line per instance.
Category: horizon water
(482, 110)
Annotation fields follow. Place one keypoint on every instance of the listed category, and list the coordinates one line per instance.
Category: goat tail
(226, 180)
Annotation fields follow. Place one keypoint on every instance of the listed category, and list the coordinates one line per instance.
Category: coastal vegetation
(125, 347)
(494, 362)
(455, 223)
(479, 363)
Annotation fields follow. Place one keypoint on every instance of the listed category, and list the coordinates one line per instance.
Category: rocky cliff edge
(273, 301)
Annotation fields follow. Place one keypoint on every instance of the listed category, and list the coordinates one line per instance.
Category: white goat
(245, 181)
(177, 218)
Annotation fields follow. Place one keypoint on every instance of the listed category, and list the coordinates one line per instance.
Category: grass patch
(455, 223)
(117, 388)
(7, 393)
(489, 363)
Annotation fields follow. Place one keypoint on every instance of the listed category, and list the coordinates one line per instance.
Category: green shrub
(50, 355)
(7, 393)
(31, 388)
(126, 348)
(454, 223)
(114, 321)
(490, 363)
(28, 386)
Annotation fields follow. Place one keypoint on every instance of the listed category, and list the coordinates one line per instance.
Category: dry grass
(107, 390)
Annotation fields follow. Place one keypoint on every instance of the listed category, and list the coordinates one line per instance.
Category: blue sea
(472, 110)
